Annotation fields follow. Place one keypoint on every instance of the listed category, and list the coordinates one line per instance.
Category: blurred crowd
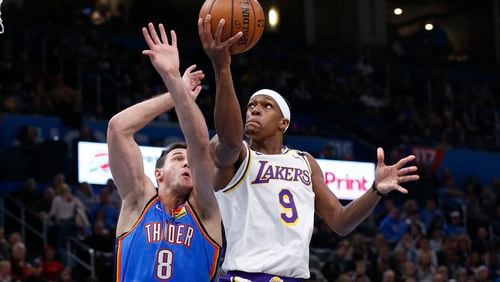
(439, 232)
(67, 212)
(60, 61)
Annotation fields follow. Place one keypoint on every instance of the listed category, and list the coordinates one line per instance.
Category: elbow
(113, 125)
(116, 126)
(341, 228)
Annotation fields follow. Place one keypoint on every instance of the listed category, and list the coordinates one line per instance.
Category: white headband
(285, 110)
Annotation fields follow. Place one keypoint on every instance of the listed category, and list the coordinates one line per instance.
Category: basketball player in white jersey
(267, 192)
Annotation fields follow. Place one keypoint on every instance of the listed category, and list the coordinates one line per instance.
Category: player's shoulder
(300, 153)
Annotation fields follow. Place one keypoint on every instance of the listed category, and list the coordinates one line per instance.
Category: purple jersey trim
(256, 277)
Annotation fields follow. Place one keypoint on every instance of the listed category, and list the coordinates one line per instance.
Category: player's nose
(256, 110)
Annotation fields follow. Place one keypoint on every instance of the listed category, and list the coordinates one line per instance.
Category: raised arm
(227, 146)
(125, 158)
(165, 58)
(343, 220)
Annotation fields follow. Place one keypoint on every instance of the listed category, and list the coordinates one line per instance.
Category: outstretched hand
(217, 50)
(192, 80)
(163, 55)
(389, 178)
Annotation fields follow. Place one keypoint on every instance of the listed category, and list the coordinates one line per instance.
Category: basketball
(240, 15)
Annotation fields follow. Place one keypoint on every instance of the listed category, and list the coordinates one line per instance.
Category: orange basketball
(240, 15)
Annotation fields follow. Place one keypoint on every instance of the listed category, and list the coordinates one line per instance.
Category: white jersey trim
(241, 173)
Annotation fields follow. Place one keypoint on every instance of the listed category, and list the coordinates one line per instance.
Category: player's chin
(251, 130)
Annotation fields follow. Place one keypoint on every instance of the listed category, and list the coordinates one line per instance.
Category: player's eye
(268, 106)
(251, 105)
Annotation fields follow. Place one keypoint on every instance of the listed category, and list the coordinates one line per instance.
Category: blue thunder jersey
(161, 247)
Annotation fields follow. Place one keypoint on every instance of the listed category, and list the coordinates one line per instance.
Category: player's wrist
(377, 192)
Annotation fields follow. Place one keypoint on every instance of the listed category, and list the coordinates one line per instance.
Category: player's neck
(171, 200)
(271, 146)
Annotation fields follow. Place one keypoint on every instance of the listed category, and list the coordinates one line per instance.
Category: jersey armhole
(241, 172)
(146, 208)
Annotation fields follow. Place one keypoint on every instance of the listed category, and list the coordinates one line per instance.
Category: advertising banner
(347, 180)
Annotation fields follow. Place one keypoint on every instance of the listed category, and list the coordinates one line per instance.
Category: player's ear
(284, 124)
(158, 174)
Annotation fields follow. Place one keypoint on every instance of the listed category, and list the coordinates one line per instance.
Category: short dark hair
(176, 145)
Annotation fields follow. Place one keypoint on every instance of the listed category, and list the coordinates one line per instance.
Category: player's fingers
(163, 34)
(402, 162)
(406, 178)
(233, 39)
(206, 26)
(197, 91)
(401, 189)
(218, 32)
(174, 38)
(153, 33)
(380, 156)
(190, 70)
(147, 53)
(200, 25)
(407, 170)
(199, 76)
(147, 37)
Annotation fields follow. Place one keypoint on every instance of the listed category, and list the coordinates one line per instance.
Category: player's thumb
(147, 53)
(380, 156)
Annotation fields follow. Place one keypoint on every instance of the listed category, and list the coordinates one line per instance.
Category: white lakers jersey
(268, 214)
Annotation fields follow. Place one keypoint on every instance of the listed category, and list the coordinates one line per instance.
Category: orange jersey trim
(122, 236)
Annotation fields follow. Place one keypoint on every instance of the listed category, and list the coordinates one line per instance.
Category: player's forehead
(177, 152)
(262, 99)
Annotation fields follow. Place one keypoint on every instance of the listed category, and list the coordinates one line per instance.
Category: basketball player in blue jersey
(268, 193)
(173, 233)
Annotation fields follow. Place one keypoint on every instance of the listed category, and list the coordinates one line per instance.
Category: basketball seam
(211, 7)
(254, 25)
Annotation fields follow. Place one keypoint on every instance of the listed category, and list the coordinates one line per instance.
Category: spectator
(393, 226)
(425, 247)
(5, 271)
(36, 271)
(51, 266)
(389, 276)
(482, 241)
(101, 239)
(114, 198)
(59, 183)
(103, 211)
(4, 245)
(430, 212)
(20, 268)
(425, 268)
(14, 238)
(85, 194)
(45, 204)
(455, 228)
(63, 211)
(29, 194)
(66, 275)
(450, 197)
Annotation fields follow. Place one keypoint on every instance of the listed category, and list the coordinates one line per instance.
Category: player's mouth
(253, 122)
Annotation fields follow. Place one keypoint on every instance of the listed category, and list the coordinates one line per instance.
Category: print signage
(347, 180)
